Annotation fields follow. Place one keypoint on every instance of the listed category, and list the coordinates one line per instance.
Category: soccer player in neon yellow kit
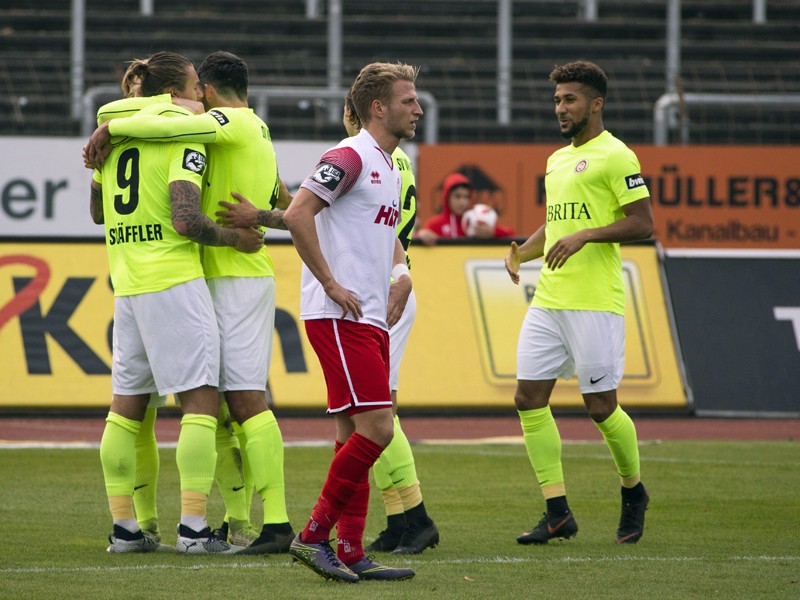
(596, 198)
(148, 196)
(232, 463)
(409, 529)
(241, 160)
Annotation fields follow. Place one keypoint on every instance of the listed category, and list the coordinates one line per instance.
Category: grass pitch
(724, 522)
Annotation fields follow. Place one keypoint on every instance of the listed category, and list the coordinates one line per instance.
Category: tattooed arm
(246, 214)
(189, 221)
(96, 203)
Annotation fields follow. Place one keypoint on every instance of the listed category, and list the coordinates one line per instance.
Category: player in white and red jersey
(343, 223)
(409, 529)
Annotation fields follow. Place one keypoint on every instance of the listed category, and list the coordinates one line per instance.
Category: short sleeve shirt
(357, 230)
(241, 158)
(586, 187)
(145, 252)
(408, 198)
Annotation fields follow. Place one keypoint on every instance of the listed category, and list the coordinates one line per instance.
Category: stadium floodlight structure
(260, 96)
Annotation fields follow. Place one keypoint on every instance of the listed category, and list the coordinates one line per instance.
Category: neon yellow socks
(265, 456)
(395, 474)
(147, 469)
(230, 472)
(195, 454)
(619, 433)
(543, 443)
(118, 454)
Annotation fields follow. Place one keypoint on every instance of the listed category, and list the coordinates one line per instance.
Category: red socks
(347, 482)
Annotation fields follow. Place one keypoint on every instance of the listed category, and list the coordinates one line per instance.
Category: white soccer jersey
(361, 185)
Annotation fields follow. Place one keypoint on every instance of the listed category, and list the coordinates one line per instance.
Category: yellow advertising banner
(462, 350)
(57, 313)
(703, 196)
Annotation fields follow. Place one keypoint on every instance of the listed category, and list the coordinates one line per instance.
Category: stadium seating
(453, 41)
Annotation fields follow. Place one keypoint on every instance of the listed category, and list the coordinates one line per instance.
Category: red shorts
(355, 360)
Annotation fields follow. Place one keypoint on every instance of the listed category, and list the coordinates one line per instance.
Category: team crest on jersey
(194, 161)
(581, 166)
(328, 175)
(634, 181)
(220, 117)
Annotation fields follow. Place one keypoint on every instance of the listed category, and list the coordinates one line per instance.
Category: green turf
(724, 522)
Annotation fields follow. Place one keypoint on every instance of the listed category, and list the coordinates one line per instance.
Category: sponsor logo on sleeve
(634, 181)
(194, 161)
(219, 116)
(328, 175)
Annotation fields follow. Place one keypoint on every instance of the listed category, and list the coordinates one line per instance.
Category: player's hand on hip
(512, 263)
(241, 214)
(250, 240)
(346, 299)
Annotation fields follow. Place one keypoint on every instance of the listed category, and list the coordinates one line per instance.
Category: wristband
(399, 270)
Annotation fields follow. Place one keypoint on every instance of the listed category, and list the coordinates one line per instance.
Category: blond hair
(131, 83)
(375, 82)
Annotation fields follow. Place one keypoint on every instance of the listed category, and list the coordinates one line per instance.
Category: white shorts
(398, 338)
(165, 342)
(245, 309)
(560, 343)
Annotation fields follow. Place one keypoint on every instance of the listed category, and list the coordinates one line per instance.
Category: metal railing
(664, 115)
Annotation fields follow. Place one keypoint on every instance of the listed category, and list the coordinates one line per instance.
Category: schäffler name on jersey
(124, 234)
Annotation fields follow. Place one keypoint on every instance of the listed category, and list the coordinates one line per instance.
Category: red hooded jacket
(446, 224)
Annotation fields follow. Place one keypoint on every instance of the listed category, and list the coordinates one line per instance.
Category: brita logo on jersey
(328, 175)
(634, 181)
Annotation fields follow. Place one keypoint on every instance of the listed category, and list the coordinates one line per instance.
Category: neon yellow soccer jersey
(241, 159)
(408, 199)
(587, 187)
(145, 252)
(127, 107)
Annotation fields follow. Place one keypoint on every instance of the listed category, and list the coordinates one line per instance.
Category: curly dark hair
(584, 72)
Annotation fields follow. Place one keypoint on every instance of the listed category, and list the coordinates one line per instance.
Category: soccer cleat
(221, 532)
(151, 530)
(550, 527)
(387, 540)
(274, 539)
(201, 542)
(416, 537)
(241, 533)
(631, 521)
(122, 541)
(321, 559)
(368, 569)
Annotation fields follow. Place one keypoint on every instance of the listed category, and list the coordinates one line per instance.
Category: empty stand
(454, 43)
